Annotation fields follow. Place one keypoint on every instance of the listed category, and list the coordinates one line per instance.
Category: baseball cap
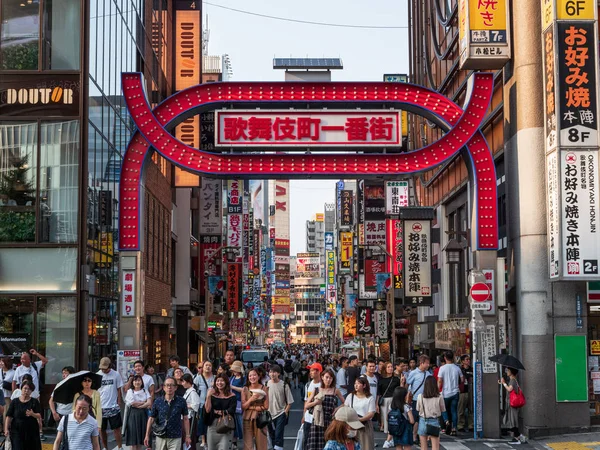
(348, 415)
(104, 363)
(317, 366)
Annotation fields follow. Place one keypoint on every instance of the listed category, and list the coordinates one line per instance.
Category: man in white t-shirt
(449, 378)
(33, 369)
(370, 374)
(341, 377)
(138, 368)
(315, 374)
(110, 399)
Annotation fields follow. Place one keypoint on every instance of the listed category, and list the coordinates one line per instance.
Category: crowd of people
(229, 405)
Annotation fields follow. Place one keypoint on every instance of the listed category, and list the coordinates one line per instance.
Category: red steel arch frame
(462, 133)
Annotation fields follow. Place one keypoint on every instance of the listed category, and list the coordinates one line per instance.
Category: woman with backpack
(510, 420)
(430, 405)
(400, 420)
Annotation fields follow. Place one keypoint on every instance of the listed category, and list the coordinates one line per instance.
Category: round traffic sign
(480, 292)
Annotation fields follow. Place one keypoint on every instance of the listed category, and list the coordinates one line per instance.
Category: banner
(347, 214)
(381, 326)
(394, 246)
(417, 270)
(346, 250)
(372, 268)
(328, 240)
(396, 196)
(375, 232)
(128, 294)
(308, 265)
(233, 287)
(364, 321)
(331, 282)
(210, 207)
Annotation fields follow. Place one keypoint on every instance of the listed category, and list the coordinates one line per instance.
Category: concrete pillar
(541, 307)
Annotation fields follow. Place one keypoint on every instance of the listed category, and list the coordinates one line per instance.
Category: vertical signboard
(331, 285)
(417, 267)
(233, 287)
(128, 294)
(360, 211)
(347, 214)
(364, 321)
(483, 34)
(396, 197)
(235, 215)
(328, 240)
(395, 247)
(346, 250)
(210, 207)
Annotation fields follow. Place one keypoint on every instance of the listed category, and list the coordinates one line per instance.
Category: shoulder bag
(64, 445)
(161, 430)
(380, 400)
(411, 392)
(263, 418)
(430, 430)
(225, 423)
(517, 399)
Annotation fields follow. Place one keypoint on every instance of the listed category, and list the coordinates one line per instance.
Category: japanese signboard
(234, 230)
(349, 324)
(210, 206)
(550, 89)
(233, 287)
(128, 294)
(381, 326)
(338, 128)
(375, 232)
(125, 361)
(347, 214)
(331, 284)
(575, 10)
(396, 197)
(488, 348)
(234, 196)
(580, 240)
(346, 250)
(372, 268)
(328, 240)
(308, 265)
(394, 245)
(360, 211)
(374, 201)
(417, 267)
(578, 120)
(483, 34)
(363, 292)
(364, 321)
(490, 281)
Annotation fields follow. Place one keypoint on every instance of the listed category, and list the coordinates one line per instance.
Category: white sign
(580, 243)
(247, 128)
(490, 280)
(396, 196)
(483, 306)
(125, 360)
(417, 263)
(210, 206)
(488, 348)
(128, 294)
(375, 232)
(308, 266)
(381, 325)
(553, 215)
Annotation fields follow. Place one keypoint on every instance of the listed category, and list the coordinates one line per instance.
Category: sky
(252, 42)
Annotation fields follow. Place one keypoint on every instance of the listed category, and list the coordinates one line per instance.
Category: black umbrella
(508, 361)
(67, 388)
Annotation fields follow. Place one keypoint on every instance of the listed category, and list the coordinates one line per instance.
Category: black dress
(24, 430)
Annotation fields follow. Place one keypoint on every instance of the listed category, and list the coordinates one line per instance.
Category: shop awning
(202, 336)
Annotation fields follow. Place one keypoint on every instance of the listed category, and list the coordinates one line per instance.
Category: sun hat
(237, 366)
(348, 415)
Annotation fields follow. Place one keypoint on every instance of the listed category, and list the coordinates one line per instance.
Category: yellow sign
(547, 13)
(345, 246)
(283, 301)
(320, 217)
(102, 249)
(575, 9)
(594, 347)
(487, 15)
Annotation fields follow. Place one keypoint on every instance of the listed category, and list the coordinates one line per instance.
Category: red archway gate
(462, 126)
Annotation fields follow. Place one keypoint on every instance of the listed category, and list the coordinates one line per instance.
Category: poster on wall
(417, 267)
(125, 360)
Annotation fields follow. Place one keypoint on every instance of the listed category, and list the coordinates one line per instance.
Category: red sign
(233, 287)
(394, 246)
(372, 268)
(479, 292)
(281, 309)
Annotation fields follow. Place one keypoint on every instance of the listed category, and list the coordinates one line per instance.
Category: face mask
(352, 434)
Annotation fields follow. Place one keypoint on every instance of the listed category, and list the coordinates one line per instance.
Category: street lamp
(453, 250)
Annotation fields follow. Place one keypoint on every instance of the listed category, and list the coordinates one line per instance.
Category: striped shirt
(80, 434)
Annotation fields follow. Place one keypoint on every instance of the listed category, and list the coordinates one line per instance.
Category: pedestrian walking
(174, 363)
(22, 420)
(430, 406)
(79, 428)
(61, 409)
(220, 406)
(296, 364)
(449, 378)
(416, 383)
(137, 401)
(280, 402)
(323, 403)
(255, 399)
(237, 382)
(96, 408)
(149, 370)
(178, 375)
(310, 391)
(203, 382)
(6, 377)
(303, 377)
(510, 421)
(30, 368)
(400, 420)
(341, 377)
(363, 402)
(229, 357)
(342, 432)
(110, 398)
(192, 400)
(386, 385)
(353, 372)
(465, 400)
(170, 414)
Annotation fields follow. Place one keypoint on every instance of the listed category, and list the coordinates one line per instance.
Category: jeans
(276, 429)
(465, 408)
(451, 406)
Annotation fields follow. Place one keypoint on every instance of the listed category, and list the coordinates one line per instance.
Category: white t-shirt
(340, 380)
(372, 384)
(362, 406)
(136, 396)
(310, 391)
(450, 374)
(62, 408)
(111, 383)
(22, 370)
(8, 377)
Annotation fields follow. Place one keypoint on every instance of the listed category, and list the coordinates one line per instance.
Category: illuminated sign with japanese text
(379, 128)
(417, 267)
(347, 214)
(128, 294)
(233, 287)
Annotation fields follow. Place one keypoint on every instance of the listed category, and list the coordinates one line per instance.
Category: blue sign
(282, 284)
(351, 301)
(384, 282)
(216, 285)
(328, 240)
(578, 309)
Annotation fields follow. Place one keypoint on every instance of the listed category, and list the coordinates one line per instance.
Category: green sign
(570, 364)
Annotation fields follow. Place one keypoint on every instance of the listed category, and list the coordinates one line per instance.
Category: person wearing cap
(110, 399)
(341, 432)
(315, 374)
(237, 382)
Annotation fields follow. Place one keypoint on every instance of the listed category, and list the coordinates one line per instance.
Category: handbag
(516, 398)
(161, 430)
(263, 419)
(430, 430)
(380, 399)
(225, 424)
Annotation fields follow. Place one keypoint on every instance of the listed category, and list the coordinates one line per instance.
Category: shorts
(422, 431)
(115, 422)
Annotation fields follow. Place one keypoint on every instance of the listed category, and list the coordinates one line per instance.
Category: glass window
(59, 181)
(16, 325)
(55, 328)
(38, 269)
(62, 24)
(18, 152)
(19, 34)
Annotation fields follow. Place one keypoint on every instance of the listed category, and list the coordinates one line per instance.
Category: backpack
(396, 422)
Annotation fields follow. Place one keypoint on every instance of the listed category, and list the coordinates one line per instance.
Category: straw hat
(237, 366)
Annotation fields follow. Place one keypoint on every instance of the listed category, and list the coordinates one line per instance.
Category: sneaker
(523, 439)
(42, 437)
(515, 441)
(388, 444)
